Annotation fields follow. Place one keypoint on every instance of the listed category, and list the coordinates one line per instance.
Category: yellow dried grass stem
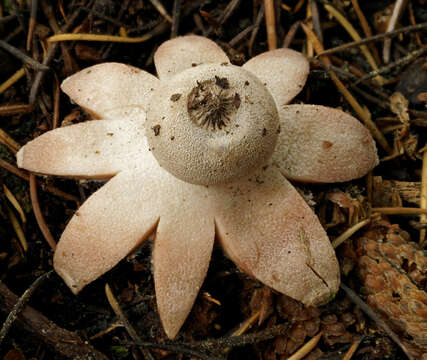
(285, 7)
(12, 80)
(356, 37)
(400, 211)
(7, 141)
(270, 23)
(161, 9)
(349, 232)
(307, 348)
(12, 199)
(8, 110)
(363, 114)
(349, 354)
(98, 37)
(17, 227)
(247, 324)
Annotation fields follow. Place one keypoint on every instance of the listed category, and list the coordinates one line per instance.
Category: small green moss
(119, 352)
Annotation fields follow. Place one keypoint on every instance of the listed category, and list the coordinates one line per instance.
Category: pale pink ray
(107, 227)
(321, 144)
(270, 232)
(182, 250)
(184, 52)
(93, 149)
(283, 71)
(108, 86)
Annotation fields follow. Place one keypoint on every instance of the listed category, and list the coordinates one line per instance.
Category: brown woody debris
(393, 271)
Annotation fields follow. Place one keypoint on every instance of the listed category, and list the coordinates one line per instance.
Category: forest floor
(380, 310)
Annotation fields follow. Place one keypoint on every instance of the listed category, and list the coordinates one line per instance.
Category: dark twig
(384, 104)
(56, 103)
(6, 19)
(259, 18)
(125, 322)
(32, 24)
(240, 36)
(64, 342)
(216, 346)
(13, 34)
(19, 15)
(228, 11)
(48, 58)
(177, 348)
(24, 175)
(176, 16)
(406, 29)
(104, 17)
(23, 57)
(400, 62)
(242, 340)
(123, 7)
(291, 34)
(366, 29)
(22, 301)
(369, 312)
(38, 213)
(328, 67)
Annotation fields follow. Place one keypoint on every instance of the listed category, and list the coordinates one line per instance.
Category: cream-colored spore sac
(212, 124)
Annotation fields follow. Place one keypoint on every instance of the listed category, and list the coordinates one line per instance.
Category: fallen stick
(63, 342)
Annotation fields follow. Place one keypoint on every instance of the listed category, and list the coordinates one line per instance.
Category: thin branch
(400, 62)
(240, 36)
(23, 57)
(176, 16)
(32, 23)
(64, 342)
(124, 320)
(398, 9)
(48, 58)
(403, 30)
(20, 304)
(361, 112)
(258, 21)
(24, 175)
(368, 311)
(38, 214)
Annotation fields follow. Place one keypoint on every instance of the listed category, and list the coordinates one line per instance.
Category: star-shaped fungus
(201, 152)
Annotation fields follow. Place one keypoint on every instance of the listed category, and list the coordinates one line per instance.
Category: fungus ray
(107, 227)
(94, 149)
(319, 144)
(103, 87)
(269, 231)
(181, 255)
(185, 52)
(283, 71)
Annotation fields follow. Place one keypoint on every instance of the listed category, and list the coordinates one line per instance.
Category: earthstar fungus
(201, 151)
